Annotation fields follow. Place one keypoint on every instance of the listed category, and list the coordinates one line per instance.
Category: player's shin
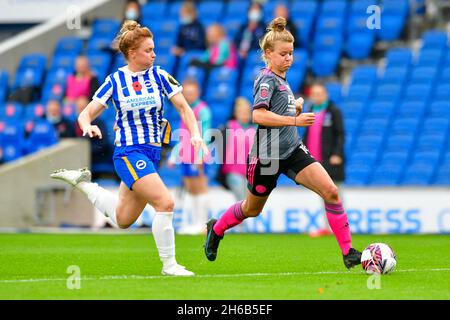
(232, 217)
(163, 233)
(337, 219)
(104, 200)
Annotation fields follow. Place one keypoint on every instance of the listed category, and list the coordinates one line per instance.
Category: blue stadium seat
(232, 24)
(375, 126)
(368, 143)
(395, 158)
(28, 77)
(12, 110)
(443, 175)
(388, 92)
(434, 39)
(418, 174)
(359, 45)
(423, 75)
(63, 61)
(445, 75)
(166, 61)
(386, 175)
(325, 62)
(118, 62)
(105, 28)
(360, 7)
(395, 75)
(43, 135)
(363, 157)
(223, 74)
(222, 93)
(53, 91)
(99, 43)
(426, 157)
(154, 10)
(359, 92)
(430, 142)
(307, 8)
(440, 109)
(352, 109)
(435, 126)
(304, 24)
(187, 58)
(365, 74)
(399, 57)
(381, 110)
(327, 24)
(334, 91)
(211, 9)
(442, 92)
(100, 63)
(416, 92)
(35, 111)
(430, 58)
(12, 139)
(174, 9)
(69, 45)
(35, 61)
(357, 174)
(411, 109)
(333, 8)
(4, 85)
(393, 20)
(402, 126)
(192, 73)
(237, 8)
(221, 113)
(400, 142)
(351, 126)
(69, 111)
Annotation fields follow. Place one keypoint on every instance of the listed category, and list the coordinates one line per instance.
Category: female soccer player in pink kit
(278, 149)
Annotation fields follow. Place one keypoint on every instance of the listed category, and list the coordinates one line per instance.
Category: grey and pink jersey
(273, 93)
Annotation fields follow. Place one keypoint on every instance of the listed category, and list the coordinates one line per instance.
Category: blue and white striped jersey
(139, 102)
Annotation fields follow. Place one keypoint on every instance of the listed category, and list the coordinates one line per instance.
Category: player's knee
(250, 212)
(331, 194)
(122, 220)
(165, 205)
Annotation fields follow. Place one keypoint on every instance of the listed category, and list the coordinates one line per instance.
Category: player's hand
(299, 105)
(198, 143)
(305, 119)
(335, 160)
(92, 131)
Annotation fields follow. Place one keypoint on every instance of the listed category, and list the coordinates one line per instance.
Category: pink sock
(337, 219)
(232, 217)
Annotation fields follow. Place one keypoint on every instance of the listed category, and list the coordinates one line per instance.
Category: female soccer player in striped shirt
(278, 149)
(137, 91)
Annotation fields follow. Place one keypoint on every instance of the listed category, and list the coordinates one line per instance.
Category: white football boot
(177, 270)
(72, 177)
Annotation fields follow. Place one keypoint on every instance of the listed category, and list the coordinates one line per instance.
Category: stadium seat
(65, 61)
(423, 75)
(357, 174)
(375, 126)
(381, 110)
(418, 174)
(237, 8)
(307, 8)
(99, 44)
(442, 92)
(304, 24)
(437, 125)
(429, 58)
(4, 85)
(35, 111)
(365, 74)
(28, 77)
(426, 157)
(418, 92)
(399, 57)
(368, 143)
(35, 61)
(325, 62)
(411, 109)
(43, 135)
(107, 28)
(211, 9)
(11, 110)
(352, 110)
(223, 74)
(386, 175)
(334, 91)
(400, 142)
(388, 92)
(394, 158)
(363, 157)
(393, 20)
(192, 73)
(68, 45)
(434, 39)
(12, 139)
(174, 9)
(100, 63)
(333, 8)
(154, 10)
(430, 142)
(395, 75)
(440, 109)
(401, 126)
(443, 175)
(166, 61)
(359, 45)
(359, 92)
(327, 24)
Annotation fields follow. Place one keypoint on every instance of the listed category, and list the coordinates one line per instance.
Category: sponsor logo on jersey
(264, 90)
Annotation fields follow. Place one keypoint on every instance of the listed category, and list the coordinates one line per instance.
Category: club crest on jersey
(173, 81)
(137, 86)
(141, 164)
(264, 90)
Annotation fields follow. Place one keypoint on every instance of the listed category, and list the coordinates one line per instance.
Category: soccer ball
(378, 258)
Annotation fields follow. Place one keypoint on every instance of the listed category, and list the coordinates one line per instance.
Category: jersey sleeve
(169, 85)
(262, 92)
(104, 93)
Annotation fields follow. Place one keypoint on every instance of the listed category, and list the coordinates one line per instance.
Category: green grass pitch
(250, 266)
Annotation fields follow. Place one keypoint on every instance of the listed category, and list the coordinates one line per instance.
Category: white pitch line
(138, 277)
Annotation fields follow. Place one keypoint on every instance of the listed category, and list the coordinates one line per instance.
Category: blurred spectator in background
(64, 127)
(101, 150)
(83, 83)
(325, 138)
(248, 35)
(132, 11)
(195, 179)
(282, 11)
(191, 33)
(239, 134)
(220, 52)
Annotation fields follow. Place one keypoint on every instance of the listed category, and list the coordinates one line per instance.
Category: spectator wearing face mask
(247, 38)
(191, 34)
(132, 11)
(64, 127)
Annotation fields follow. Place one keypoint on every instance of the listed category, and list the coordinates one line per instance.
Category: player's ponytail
(130, 36)
(276, 31)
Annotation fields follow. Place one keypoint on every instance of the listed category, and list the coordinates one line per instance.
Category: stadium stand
(396, 105)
